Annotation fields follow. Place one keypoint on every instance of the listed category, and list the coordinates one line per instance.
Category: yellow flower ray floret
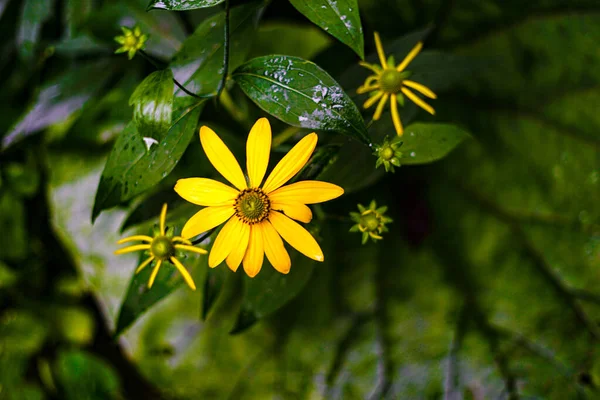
(162, 247)
(256, 217)
(389, 83)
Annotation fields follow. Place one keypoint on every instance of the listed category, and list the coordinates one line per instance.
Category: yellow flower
(162, 247)
(257, 216)
(387, 83)
(131, 41)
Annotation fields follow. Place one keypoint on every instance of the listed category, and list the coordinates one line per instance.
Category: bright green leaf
(152, 104)
(340, 18)
(131, 168)
(423, 143)
(182, 5)
(301, 94)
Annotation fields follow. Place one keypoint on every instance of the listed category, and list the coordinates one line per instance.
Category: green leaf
(13, 242)
(33, 15)
(340, 18)
(424, 143)
(83, 376)
(139, 298)
(304, 41)
(198, 66)
(152, 104)
(213, 285)
(301, 94)
(61, 98)
(185, 5)
(131, 168)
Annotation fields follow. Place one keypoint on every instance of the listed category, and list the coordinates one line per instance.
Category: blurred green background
(486, 287)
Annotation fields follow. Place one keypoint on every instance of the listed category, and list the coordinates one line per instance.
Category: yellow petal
(365, 89)
(193, 249)
(372, 100)
(420, 88)
(298, 237)
(206, 219)
(380, 106)
(236, 256)
(225, 242)
(258, 148)
(154, 273)
(205, 192)
(144, 264)
(143, 238)
(274, 248)
(417, 100)
(133, 248)
(184, 272)
(396, 115)
(291, 163)
(380, 52)
(307, 192)
(409, 57)
(163, 218)
(222, 158)
(295, 210)
(255, 253)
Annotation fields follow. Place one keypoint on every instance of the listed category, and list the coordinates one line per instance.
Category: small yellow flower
(387, 83)
(257, 216)
(131, 41)
(370, 221)
(162, 247)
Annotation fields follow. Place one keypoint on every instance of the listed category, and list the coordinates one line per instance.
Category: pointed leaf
(301, 94)
(179, 5)
(152, 103)
(340, 18)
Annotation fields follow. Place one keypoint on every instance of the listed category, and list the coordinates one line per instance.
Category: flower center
(162, 248)
(252, 206)
(370, 221)
(391, 80)
(386, 153)
(130, 41)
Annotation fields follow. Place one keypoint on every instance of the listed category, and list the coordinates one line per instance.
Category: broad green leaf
(132, 168)
(340, 18)
(301, 94)
(424, 143)
(61, 98)
(152, 103)
(198, 66)
(213, 286)
(182, 5)
(34, 14)
(83, 376)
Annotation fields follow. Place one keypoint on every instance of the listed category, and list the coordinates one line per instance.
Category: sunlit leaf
(152, 103)
(182, 5)
(301, 94)
(339, 18)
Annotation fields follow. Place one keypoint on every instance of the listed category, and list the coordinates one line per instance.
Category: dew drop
(413, 154)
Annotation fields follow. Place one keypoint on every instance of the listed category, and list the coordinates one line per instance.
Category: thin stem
(225, 50)
(156, 65)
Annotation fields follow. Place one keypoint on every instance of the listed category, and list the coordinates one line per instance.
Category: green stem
(225, 50)
(284, 136)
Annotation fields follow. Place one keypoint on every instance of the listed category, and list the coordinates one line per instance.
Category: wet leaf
(182, 5)
(152, 103)
(293, 40)
(339, 18)
(132, 168)
(60, 99)
(301, 94)
(198, 66)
